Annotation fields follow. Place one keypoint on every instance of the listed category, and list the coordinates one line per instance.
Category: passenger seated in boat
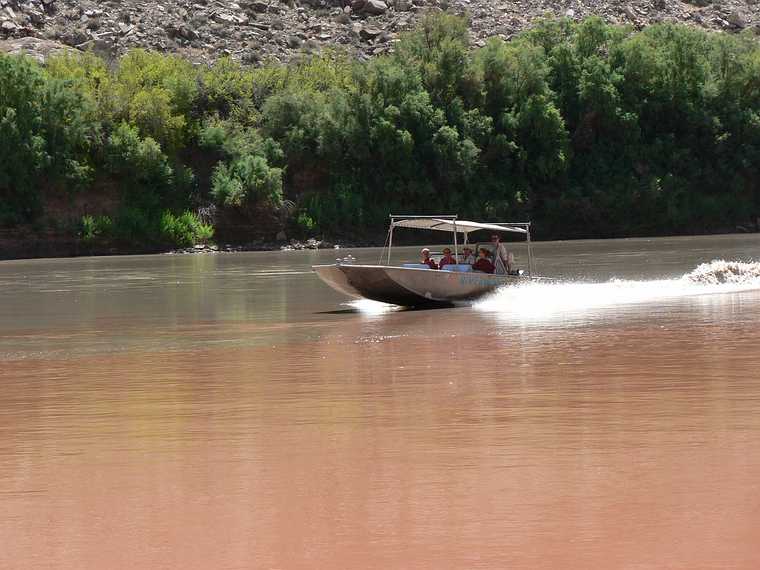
(467, 256)
(483, 264)
(447, 258)
(427, 260)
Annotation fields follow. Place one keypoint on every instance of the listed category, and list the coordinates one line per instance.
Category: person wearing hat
(467, 256)
(447, 258)
(427, 260)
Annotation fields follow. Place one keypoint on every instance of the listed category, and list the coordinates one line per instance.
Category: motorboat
(416, 284)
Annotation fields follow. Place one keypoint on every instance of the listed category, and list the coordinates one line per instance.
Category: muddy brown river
(232, 412)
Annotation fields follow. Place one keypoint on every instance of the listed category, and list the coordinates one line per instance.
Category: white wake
(550, 298)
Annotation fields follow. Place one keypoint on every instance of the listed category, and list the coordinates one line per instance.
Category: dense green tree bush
(245, 176)
(245, 181)
(157, 94)
(132, 225)
(585, 128)
(45, 136)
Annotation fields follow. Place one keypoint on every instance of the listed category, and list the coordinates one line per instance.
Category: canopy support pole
(390, 242)
(530, 254)
(456, 247)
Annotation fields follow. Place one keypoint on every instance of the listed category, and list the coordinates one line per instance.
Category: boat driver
(427, 260)
(502, 259)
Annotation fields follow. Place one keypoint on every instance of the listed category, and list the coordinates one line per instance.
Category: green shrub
(92, 227)
(247, 181)
(157, 94)
(213, 136)
(204, 233)
(134, 226)
(226, 187)
(227, 86)
(140, 166)
(184, 230)
(46, 131)
(87, 231)
(305, 222)
(230, 140)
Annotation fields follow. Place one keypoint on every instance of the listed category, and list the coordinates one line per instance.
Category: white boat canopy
(454, 225)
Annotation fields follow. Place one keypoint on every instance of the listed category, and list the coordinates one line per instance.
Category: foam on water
(555, 298)
(369, 307)
(721, 272)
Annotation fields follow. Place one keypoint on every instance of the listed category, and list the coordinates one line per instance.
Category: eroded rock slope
(254, 30)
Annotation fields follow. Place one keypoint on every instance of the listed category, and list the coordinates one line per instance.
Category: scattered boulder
(259, 6)
(310, 243)
(38, 48)
(375, 7)
(369, 33)
(294, 42)
(736, 19)
(371, 7)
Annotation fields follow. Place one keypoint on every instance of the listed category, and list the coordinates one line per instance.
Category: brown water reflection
(187, 433)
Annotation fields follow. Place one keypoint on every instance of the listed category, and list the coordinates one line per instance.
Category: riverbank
(25, 245)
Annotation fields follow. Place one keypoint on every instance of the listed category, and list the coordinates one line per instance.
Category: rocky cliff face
(255, 30)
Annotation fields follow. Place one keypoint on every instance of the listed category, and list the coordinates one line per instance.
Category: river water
(231, 411)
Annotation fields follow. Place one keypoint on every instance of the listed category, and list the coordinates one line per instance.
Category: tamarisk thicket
(587, 129)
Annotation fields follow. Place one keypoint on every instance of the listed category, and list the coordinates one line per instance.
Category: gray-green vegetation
(588, 129)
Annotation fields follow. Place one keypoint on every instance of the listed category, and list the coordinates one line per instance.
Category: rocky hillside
(255, 30)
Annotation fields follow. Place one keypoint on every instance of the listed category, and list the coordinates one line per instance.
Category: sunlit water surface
(231, 411)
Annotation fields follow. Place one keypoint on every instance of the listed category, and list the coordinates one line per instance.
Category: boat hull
(410, 287)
